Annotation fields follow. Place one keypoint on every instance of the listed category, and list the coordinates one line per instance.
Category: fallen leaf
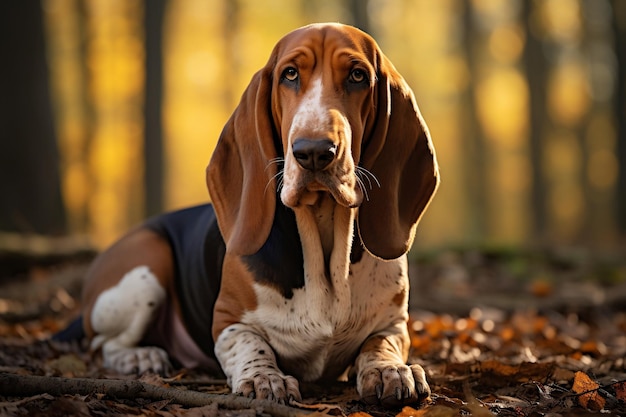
(204, 411)
(473, 405)
(499, 368)
(541, 288)
(67, 406)
(320, 414)
(620, 390)
(434, 411)
(153, 379)
(178, 377)
(158, 405)
(588, 390)
(68, 365)
(321, 408)
(562, 375)
(411, 412)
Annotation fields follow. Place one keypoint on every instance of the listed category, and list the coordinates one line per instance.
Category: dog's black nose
(314, 154)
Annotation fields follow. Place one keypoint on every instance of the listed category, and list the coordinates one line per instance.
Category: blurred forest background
(110, 109)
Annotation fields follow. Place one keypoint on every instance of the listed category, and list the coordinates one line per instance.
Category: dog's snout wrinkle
(314, 154)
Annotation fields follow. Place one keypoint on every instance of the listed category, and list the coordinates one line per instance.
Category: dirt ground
(500, 332)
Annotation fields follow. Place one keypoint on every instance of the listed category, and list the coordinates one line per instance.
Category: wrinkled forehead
(325, 41)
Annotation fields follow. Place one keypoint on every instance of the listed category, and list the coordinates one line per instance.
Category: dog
(298, 268)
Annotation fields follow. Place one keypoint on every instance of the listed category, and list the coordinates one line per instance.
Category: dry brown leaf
(587, 388)
(68, 365)
(475, 407)
(157, 405)
(620, 390)
(507, 333)
(178, 377)
(153, 379)
(498, 368)
(593, 347)
(321, 408)
(205, 411)
(318, 414)
(411, 412)
(541, 288)
(562, 375)
(434, 411)
(359, 414)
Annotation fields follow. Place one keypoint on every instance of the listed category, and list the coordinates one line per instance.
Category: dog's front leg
(382, 374)
(250, 365)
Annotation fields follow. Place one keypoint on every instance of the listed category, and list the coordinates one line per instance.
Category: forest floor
(499, 332)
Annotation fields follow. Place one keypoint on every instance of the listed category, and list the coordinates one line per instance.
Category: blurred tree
(360, 17)
(29, 160)
(524, 99)
(474, 135)
(536, 70)
(231, 28)
(619, 24)
(77, 207)
(154, 12)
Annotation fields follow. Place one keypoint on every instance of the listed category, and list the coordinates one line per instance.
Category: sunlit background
(521, 98)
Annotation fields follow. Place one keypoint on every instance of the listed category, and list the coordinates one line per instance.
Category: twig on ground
(24, 385)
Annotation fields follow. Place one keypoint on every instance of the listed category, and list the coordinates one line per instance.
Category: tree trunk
(29, 160)
(154, 11)
(474, 141)
(619, 26)
(360, 16)
(535, 63)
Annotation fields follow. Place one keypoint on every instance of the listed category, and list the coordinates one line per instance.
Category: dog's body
(299, 268)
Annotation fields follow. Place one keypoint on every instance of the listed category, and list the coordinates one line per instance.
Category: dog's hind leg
(125, 290)
(120, 318)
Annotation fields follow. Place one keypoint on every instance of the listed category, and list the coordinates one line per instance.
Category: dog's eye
(290, 74)
(357, 76)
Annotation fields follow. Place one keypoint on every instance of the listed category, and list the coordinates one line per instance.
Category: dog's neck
(326, 231)
(324, 213)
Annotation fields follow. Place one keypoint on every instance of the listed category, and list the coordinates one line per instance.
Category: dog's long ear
(402, 157)
(240, 175)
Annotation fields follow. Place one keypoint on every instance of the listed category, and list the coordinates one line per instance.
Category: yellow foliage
(502, 99)
(97, 63)
(568, 96)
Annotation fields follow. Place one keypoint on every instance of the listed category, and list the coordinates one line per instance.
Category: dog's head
(328, 113)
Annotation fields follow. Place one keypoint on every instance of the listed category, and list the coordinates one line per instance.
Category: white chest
(318, 332)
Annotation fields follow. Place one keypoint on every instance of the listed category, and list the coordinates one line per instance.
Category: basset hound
(298, 269)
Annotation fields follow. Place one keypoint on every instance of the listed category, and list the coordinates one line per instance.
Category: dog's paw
(392, 384)
(137, 360)
(273, 386)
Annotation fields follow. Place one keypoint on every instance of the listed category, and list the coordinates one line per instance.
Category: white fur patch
(317, 332)
(318, 329)
(136, 359)
(311, 112)
(250, 365)
(314, 118)
(120, 318)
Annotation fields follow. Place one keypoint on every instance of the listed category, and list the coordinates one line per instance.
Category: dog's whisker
(279, 175)
(362, 187)
(368, 174)
(361, 175)
(279, 186)
(365, 171)
(278, 160)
